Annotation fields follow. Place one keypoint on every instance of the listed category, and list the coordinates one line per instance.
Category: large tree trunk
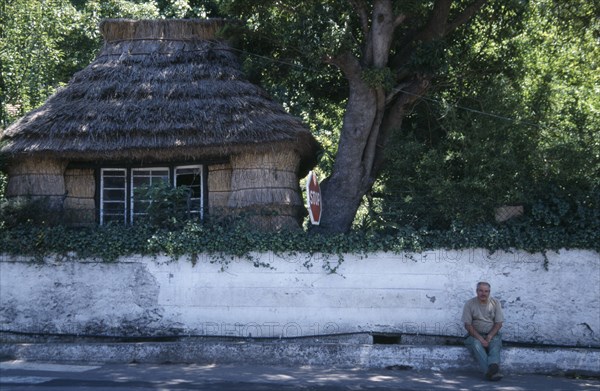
(372, 113)
(342, 192)
(366, 129)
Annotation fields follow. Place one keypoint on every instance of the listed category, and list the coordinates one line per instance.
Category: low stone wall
(307, 352)
(548, 300)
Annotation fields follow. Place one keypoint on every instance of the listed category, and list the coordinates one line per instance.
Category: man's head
(483, 291)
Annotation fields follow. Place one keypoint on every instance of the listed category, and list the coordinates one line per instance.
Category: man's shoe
(492, 373)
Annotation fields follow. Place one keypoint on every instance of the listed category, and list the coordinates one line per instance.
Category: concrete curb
(518, 360)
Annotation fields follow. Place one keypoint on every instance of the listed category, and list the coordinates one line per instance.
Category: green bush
(3, 179)
(169, 208)
(3, 182)
(222, 242)
(28, 211)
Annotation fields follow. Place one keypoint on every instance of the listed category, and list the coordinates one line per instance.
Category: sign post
(313, 198)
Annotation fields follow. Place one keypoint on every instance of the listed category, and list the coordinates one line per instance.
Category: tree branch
(465, 16)
(407, 95)
(395, 91)
(399, 20)
(436, 25)
(347, 63)
(382, 32)
(361, 9)
(371, 150)
(433, 29)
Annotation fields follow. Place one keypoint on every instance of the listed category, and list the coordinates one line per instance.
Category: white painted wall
(551, 301)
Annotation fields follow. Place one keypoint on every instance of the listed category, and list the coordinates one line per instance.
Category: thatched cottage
(163, 101)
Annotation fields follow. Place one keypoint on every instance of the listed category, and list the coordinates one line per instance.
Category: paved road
(19, 375)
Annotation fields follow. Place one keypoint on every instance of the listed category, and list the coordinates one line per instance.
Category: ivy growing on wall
(226, 241)
(30, 228)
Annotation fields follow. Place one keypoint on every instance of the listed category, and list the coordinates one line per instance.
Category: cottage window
(142, 178)
(120, 199)
(113, 195)
(191, 177)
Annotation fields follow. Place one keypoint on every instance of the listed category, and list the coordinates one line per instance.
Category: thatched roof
(158, 90)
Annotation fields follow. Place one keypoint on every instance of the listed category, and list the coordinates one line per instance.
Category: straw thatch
(159, 90)
(37, 177)
(265, 185)
(219, 186)
(264, 179)
(80, 183)
(79, 205)
(163, 91)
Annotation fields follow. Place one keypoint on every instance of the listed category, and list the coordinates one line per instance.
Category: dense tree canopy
(470, 115)
(430, 112)
(513, 119)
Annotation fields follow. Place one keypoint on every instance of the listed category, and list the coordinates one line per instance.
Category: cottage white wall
(553, 300)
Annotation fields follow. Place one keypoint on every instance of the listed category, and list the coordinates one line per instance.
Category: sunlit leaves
(30, 52)
(44, 42)
(516, 111)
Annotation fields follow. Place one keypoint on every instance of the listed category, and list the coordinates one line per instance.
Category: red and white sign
(313, 197)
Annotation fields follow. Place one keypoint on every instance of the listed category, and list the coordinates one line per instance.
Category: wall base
(307, 352)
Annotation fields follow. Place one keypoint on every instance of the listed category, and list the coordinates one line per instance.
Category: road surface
(20, 375)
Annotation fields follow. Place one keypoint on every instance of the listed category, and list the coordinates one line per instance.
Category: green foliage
(3, 180)
(30, 54)
(514, 107)
(18, 211)
(43, 43)
(168, 207)
(223, 242)
(383, 77)
(185, 8)
(513, 118)
(429, 57)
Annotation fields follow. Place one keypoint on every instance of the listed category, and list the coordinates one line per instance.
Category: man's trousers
(485, 356)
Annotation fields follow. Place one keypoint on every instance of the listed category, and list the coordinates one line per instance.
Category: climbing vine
(225, 242)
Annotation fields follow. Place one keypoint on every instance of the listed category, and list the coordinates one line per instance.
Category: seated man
(483, 317)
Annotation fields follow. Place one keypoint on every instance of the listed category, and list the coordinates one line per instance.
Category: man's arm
(475, 334)
(494, 331)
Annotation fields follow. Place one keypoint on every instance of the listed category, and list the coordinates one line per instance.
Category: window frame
(128, 212)
(102, 202)
(202, 187)
(132, 200)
